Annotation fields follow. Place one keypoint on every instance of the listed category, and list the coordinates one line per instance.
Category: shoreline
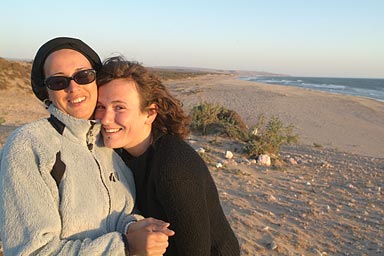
(346, 123)
(318, 85)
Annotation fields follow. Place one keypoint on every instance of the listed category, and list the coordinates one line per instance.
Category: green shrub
(203, 117)
(270, 137)
(264, 137)
(2, 120)
(210, 118)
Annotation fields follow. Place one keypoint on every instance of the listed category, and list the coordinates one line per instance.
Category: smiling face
(76, 100)
(124, 124)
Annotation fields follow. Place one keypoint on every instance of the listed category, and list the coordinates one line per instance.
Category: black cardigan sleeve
(186, 209)
(182, 192)
(189, 199)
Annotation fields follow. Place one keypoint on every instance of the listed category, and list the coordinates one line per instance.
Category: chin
(108, 144)
(111, 144)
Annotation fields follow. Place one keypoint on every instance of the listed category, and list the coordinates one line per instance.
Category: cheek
(123, 120)
(93, 93)
(93, 89)
(54, 96)
(131, 121)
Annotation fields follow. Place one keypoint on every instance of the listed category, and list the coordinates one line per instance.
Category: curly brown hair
(171, 118)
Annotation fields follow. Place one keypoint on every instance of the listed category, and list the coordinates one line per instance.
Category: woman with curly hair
(147, 127)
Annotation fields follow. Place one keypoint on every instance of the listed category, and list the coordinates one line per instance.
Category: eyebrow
(118, 101)
(76, 70)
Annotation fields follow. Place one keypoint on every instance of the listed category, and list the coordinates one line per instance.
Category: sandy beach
(328, 201)
(346, 123)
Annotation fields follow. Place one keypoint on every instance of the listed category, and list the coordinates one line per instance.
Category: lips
(77, 100)
(111, 130)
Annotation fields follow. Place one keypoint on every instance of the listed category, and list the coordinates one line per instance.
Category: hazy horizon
(295, 38)
(214, 69)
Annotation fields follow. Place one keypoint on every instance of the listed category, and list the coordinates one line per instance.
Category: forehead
(66, 58)
(119, 88)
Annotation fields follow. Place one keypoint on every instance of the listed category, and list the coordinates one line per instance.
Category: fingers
(146, 242)
(155, 225)
(151, 220)
(157, 243)
(156, 238)
(168, 232)
(146, 222)
(160, 228)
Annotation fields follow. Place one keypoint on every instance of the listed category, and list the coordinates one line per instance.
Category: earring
(47, 102)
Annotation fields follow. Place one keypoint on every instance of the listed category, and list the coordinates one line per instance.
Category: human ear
(151, 113)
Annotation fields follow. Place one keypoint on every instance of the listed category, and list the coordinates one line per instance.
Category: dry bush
(15, 74)
(210, 118)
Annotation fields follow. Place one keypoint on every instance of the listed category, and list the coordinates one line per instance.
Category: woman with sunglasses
(147, 126)
(61, 192)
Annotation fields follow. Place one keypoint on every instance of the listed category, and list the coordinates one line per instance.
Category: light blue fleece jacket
(84, 212)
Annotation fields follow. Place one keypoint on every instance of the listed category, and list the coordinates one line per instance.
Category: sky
(325, 38)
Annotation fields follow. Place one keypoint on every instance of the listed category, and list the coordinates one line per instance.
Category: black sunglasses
(57, 83)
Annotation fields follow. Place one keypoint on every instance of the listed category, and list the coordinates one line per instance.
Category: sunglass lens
(85, 76)
(57, 83)
(61, 82)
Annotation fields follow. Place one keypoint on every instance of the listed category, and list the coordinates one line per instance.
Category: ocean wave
(370, 88)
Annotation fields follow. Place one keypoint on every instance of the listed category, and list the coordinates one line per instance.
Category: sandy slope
(330, 203)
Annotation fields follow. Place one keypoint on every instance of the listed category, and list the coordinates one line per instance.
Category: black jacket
(174, 184)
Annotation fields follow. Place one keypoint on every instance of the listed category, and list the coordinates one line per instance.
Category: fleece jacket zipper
(90, 139)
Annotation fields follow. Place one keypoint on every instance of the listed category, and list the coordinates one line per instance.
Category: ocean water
(364, 87)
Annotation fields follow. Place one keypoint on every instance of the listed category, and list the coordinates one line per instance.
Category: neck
(140, 148)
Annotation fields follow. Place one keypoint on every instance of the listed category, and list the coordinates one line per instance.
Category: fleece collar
(77, 129)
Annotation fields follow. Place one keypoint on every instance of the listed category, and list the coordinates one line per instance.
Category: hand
(145, 222)
(148, 237)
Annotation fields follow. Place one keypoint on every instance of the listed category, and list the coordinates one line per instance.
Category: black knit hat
(37, 74)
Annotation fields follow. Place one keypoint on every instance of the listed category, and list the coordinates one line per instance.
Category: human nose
(73, 86)
(107, 117)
